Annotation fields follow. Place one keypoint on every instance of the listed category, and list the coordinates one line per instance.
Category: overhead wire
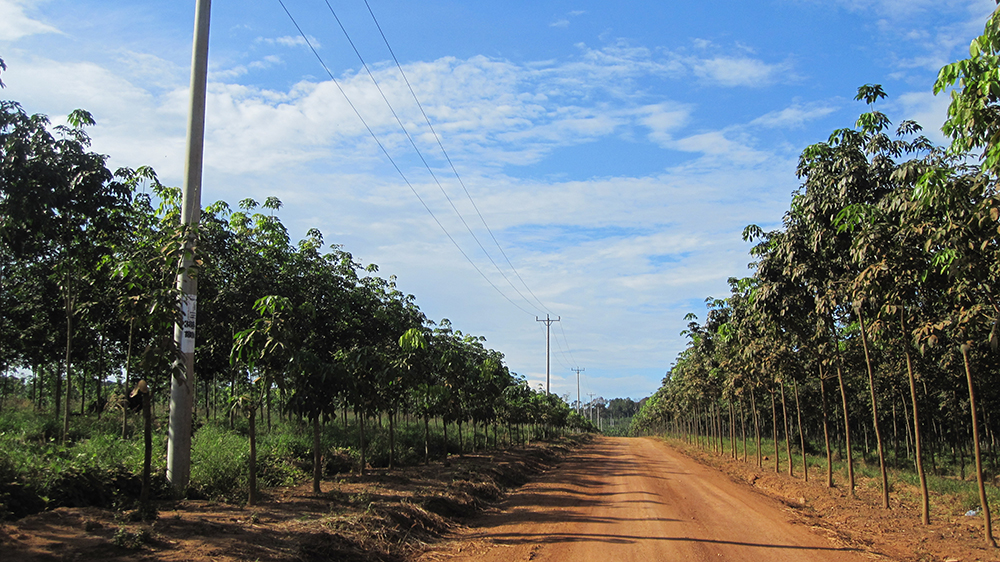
(451, 164)
(416, 149)
(566, 341)
(389, 157)
(458, 176)
(448, 158)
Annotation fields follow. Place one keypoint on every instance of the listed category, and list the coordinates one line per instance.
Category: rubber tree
(60, 203)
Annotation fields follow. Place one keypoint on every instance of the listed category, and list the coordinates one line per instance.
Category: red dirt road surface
(638, 499)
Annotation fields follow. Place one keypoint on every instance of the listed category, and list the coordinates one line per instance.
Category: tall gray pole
(579, 404)
(182, 385)
(548, 323)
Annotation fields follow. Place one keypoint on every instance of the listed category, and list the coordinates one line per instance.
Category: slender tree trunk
(147, 441)
(267, 403)
(361, 436)
(907, 429)
(774, 433)
(427, 440)
(802, 436)
(895, 436)
(252, 500)
(444, 427)
(925, 502)
(57, 375)
(317, 455)
(826, 430)
(743, 429)
(979, 459)
(68, 362)
(732, 431)
(713, 427)
(756, 428)
(847, 424)
(788, 441)
(392, 439)
(878, 431)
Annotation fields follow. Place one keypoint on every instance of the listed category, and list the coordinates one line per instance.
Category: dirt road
(637, 499)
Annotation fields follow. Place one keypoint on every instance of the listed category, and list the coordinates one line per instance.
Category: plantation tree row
(872, 318)
(88, 262)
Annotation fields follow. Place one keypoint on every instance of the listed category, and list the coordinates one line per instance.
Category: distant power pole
(591, 407)
(182, 386)
(579, 404)
(548, 322)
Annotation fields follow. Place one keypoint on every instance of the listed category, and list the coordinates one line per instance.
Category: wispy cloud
(15, 22)
(794, 116)
(738, 71)
(291, 41)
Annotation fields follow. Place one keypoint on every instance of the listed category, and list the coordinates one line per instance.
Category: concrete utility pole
(182, 386)
(579, 404)
(590, 416)
(548, 322)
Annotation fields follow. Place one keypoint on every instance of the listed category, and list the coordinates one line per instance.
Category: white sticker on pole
(189, 310)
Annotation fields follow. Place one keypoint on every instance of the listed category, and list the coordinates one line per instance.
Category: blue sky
(616, 150)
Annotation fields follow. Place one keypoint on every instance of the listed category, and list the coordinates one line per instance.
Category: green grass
(98, 467)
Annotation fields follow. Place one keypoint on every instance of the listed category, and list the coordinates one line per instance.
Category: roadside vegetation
(867, 337)
(307, 362)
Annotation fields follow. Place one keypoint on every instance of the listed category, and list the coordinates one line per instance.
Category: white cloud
(15, 23)
(738, 71)
(662, 119)
(291, 41)
(929, 111)
(560, 23)
(793, 116)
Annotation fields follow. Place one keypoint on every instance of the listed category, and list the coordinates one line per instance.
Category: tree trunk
(267, 403)
(925, 502)
(147, 440)
(847, 426)
(57, 374)
(979, 460)
(392, 439)
(802, 436)
(743, 429)
(756, 428)
(444, 427)
(252, 500)
(427, 440)
(826, 430)
(732, 431)
(878, 431)
(774, 433)
(317, 455)
(68, 363)
(788, 441)
(361, 436)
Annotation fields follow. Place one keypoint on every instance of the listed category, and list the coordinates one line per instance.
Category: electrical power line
(448, 158)
(416, 149)
(437, 137)
(568, 348)
(389, 157)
